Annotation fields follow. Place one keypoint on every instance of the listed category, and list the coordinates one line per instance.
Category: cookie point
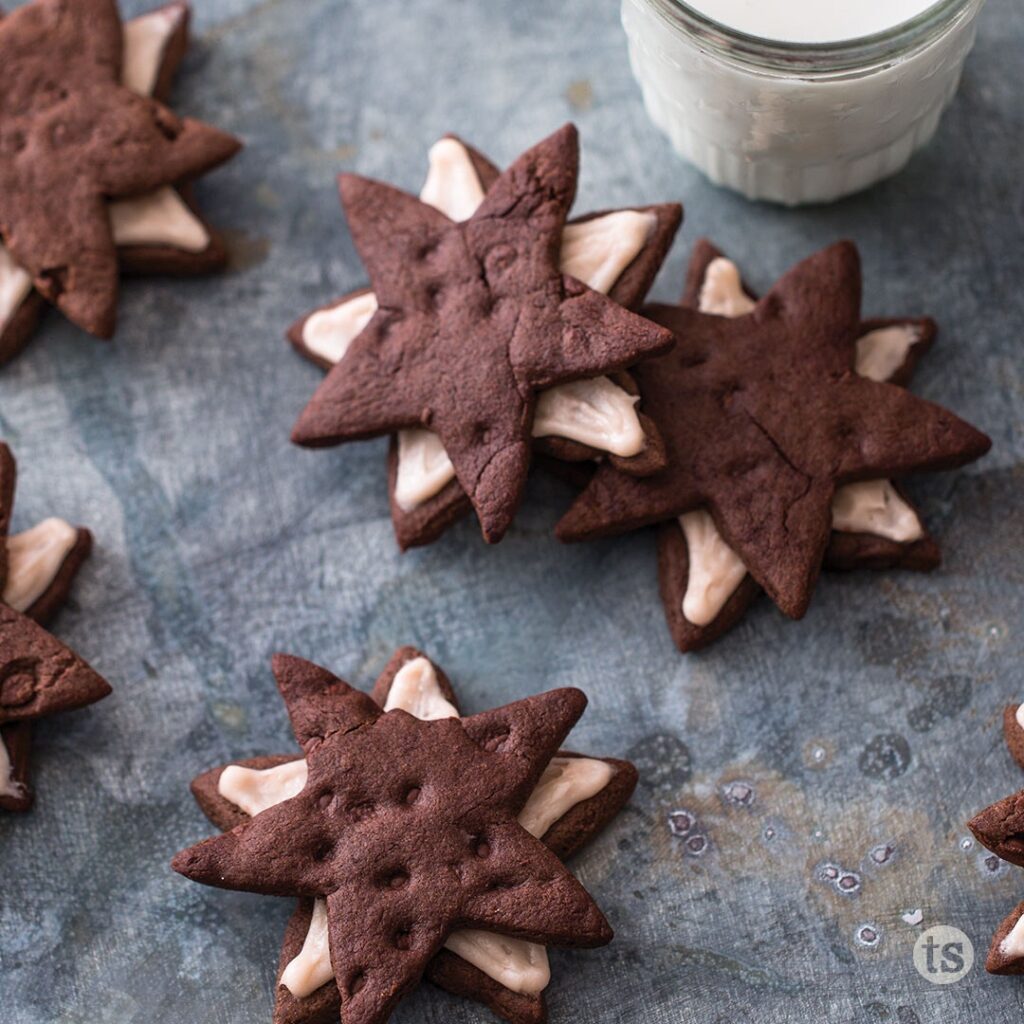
(575, 697)
(565, 529)
(499, 488)
(494, 523)
(977, 828)
(596, 930)
(183, 862)
(846, 252)
(568, 131)
(281, 662)
(97, 319)
(305, 431)
(348, 184)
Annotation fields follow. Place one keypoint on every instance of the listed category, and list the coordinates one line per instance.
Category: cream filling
(34, 558)
(595, 412)
(416, 689)
(452, 184)
(715, 569)
(1013, 945)
(161, 218)
(874, 506)
(157, 218)
(15, 284)
(1020, 715)
(423, 467)
(597, 251)
(311, 968)
(255, 789)
(566, 782)
(871, 506)
(145, 40)
(514, 963)
(880, 353)
(722, 291)
(329, 332)
(9, 786)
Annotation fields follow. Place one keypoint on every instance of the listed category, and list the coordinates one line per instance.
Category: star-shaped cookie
(615, 252)
(765, 417)
(473, 319)
(1013, 731)
(94, 169)
(705, 586)
(1000, 828)
(571, 801)
(39, 676)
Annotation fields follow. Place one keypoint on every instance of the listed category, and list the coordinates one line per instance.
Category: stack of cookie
(95, 171)
(494, 325)
(359, 827)
(95, 178)
(1000, 828)
(765, 438)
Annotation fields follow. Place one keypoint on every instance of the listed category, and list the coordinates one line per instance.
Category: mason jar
(796, 121)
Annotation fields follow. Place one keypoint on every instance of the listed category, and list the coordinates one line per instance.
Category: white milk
(811, 21)
(785, 119)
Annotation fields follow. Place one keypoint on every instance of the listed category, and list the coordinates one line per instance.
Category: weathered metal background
(873, 722)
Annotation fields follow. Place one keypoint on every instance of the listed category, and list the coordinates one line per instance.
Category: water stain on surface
(882, 855)
(989, 865)
(738, 793)
(685, 826)
(942, 698)
(846, 883)
(901, 1015)
(335, 155)
(267, 197)
(681, 823)
(850, 869)
(236, 22)
(244, 250)
(230, 714)
(663, 761)
(892, 640)
(885, 757)
(580, 94)
(868, 935)
(818, 753)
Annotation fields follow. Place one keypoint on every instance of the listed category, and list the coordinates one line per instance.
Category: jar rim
(818, 57)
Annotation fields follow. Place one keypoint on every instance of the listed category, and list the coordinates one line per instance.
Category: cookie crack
(808, 478)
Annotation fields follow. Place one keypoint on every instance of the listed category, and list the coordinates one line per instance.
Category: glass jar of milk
(798, 101)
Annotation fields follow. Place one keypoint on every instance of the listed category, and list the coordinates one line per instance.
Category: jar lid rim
(837, 55)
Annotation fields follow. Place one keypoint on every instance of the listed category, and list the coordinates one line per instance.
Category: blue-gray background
(873, 721)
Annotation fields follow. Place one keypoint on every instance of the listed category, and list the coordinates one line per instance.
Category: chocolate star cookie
(94, 169)
(615, 252)
(1013, 731)
(39, 676)
(765, 418)
(571, 801)
(705, 586)
(1000, 828)
(469, 321)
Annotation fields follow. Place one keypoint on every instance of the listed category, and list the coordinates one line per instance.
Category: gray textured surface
(218, 543)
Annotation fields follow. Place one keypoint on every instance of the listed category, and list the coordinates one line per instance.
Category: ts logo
(943, 954)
